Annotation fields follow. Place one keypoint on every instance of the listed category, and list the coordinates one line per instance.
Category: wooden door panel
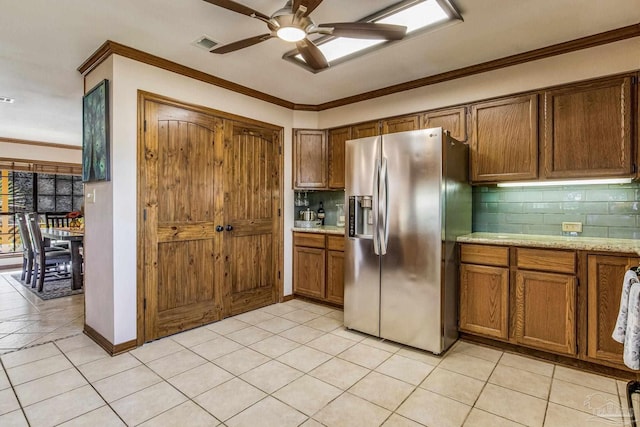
(587, 130)
(546, 311)
(188, 195)
(484, 300)
(251, 206)
(310, 159)
(185, 274)
(309, 271)
(452, 119)
(604, 288)
(504, 139)
(401, 124)
(364, 130)
(337, 140)
(182, 251)
(335, 277)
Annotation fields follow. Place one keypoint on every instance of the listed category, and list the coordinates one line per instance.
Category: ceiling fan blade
(241, 44)
(311, 54)
(366, 30)
(239, 8)
(309, 4)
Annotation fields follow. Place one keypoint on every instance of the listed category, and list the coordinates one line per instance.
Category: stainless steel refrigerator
(408, 199)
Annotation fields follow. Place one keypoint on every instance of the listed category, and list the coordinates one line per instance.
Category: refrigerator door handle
(384, 187)
(375, 210)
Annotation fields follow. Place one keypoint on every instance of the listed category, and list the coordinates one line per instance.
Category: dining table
(75, 239)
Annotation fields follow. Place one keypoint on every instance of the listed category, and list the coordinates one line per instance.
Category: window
(33, 192)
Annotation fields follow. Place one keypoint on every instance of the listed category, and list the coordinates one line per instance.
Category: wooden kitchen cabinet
(337, 139)
(545, 299)
(318, 266)
(335, 269)
(364, 130)
(504, 139)
(587, 130)
(484, 290)
(401, 124)
(605, 274)
(484, 300)
(546, 311)
(452, 119)
(310, 159)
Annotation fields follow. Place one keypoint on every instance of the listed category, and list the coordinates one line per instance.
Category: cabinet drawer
(335, 243)
(311, 240)
(546, 260)
(485, 254)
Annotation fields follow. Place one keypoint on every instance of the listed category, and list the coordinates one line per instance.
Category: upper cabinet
(309, 159)
(587, 130)
(337, 139)
(401, 124)
(452, 119)
(364, 130)
(504, 139)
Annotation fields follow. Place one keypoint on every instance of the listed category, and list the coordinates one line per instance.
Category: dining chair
(43, 258)
(27, 248)
(57, 220)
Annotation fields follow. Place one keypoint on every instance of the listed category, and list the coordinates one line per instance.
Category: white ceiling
(42, 42)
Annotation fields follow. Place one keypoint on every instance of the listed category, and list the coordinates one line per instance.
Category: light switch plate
(91, 196)
(575, 227)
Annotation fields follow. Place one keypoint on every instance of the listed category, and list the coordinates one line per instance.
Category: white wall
(580, 65)
(128, 76)
(14, 150)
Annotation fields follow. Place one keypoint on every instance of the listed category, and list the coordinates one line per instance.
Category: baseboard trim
(112, 349)
(287, 298)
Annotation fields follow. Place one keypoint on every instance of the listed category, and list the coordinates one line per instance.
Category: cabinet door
(364, 130)
(484, 300)
(504, 139)
(401, 124)
(335, 277)
(587, 130)
(604, 288)
(308, 271)
(452, 119)
(310, 159)
(546, 311)
(337, 139)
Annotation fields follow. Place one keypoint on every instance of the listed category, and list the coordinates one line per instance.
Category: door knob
(229, 227)
(219, 228)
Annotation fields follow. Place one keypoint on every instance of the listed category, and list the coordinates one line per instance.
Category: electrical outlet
(91, 196)
(572, 227)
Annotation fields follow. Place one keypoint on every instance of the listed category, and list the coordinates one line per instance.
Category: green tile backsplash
(604, 210)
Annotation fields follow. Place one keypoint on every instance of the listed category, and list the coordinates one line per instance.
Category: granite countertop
(557, 242)
(325, 229)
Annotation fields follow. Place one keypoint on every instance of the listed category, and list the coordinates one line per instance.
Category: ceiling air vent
(4, 99)
(205, 42)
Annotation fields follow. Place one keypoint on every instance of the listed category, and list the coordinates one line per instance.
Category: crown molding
(40, 143)
(110, 48)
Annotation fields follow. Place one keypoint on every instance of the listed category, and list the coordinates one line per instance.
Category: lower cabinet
(545, 311)
(560, 301)
(605, 275)
(484, 300)
(318, 266)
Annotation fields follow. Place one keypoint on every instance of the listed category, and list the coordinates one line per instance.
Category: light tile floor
(294, 364)
(26, 320)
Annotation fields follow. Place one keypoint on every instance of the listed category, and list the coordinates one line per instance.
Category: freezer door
(362, 265)
(411, 268)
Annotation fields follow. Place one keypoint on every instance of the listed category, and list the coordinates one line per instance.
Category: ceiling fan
(292, 23)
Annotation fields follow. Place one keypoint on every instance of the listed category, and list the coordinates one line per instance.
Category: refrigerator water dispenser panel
(360, 216)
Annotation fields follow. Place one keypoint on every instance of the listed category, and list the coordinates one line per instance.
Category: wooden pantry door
(251, 210)
(182, 190)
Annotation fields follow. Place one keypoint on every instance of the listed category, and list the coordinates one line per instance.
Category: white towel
(632, 334)
(621, 324)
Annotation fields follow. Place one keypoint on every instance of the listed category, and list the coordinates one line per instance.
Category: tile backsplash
(604, 210)
(329, 200)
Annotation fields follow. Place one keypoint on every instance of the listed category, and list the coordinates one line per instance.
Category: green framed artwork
(95, 134)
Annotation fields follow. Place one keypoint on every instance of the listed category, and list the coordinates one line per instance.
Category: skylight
(416, 15)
